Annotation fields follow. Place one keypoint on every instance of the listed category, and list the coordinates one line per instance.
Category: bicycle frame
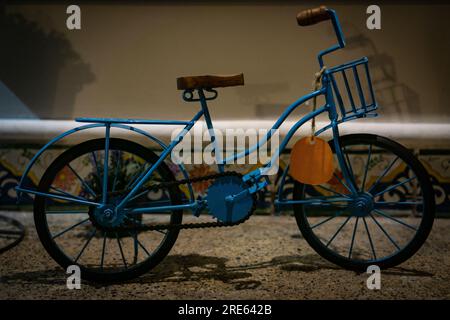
(254, 176)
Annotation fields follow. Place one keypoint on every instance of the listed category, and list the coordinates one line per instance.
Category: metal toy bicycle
(127, 208)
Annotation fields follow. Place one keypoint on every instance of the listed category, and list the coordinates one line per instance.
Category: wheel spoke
(121, 251)
(62, 192)
(325, 199)
(70, 228)
(400, 203)
(395, 186)
(103, 250)
(338, 230)
(96, 167)
(84, 183)
(326, 205)
(137, 176)
(393, 203)
(116, 171)
(105, 166)
(393, 219)
(333, 191)
(383, 174)
(140, 224)
(65, 212)
(141, 245)
(366, 169)
(327, 219)
(136, 247)
(353, 238)
(384, 231)
(140, 194)
(85, 245)
(65, 198)
(149, 204)
(370, 239)
(349, 165)
(341, 182)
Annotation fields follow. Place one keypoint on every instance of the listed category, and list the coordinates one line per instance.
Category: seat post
(209, 124)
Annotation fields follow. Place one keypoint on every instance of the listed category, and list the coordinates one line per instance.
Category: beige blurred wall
(131, 55)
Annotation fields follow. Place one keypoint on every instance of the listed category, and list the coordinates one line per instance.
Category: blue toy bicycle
(121, 212)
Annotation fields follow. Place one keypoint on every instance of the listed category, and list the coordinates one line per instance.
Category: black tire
(91, 274)
(405, 252)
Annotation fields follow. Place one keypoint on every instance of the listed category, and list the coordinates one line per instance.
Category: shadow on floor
(194, 267)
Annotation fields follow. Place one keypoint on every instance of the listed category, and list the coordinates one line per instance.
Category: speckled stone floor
(264, 258)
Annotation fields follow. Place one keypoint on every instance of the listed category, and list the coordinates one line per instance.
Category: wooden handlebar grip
(312, 16)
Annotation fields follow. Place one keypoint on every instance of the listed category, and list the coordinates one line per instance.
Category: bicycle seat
(209, 81)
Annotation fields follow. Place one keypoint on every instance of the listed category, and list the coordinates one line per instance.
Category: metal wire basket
(352, 89)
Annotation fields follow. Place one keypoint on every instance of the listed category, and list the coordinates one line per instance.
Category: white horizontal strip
(414, 134)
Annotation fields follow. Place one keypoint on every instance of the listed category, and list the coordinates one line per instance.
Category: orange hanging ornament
(311, 161)
(311, 157)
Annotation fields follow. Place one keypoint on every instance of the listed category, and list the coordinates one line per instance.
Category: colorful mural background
(13, 160)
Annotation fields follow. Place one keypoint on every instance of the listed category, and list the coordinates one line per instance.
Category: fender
(22, 189)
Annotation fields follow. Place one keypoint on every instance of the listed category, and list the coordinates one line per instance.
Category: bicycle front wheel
(385, 222)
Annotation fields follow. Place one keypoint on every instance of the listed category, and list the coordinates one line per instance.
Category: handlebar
(312, 16)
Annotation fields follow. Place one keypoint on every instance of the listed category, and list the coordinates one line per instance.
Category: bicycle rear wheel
(388, 219)
(78, 234)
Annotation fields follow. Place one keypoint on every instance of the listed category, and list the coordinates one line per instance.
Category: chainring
(220, 189)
